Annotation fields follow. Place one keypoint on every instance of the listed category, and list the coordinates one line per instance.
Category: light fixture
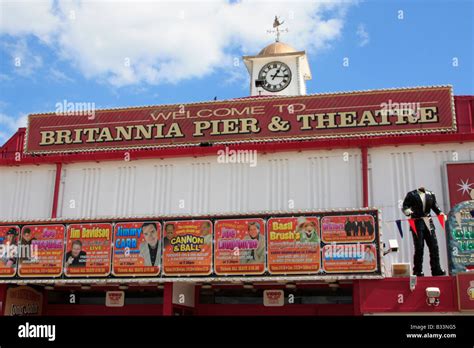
(49, 287)
(206, 286)
(160, 286)
(432, 296)
(123, 287)
(85, 287)
(291, 286)
(392, 247)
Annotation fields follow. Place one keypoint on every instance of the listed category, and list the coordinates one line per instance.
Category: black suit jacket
(413, 201)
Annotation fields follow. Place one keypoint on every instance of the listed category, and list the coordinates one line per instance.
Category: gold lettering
(230, 126)
(47, 138)
(91, 133)
(105, 135)
(200, 126)
(367, 119)
(63, 137)
(143, 132)
(328, 118)
(428, 114)
(124, 134)
(348, 119)
(174, 131)
(200, 113)
(306, 121)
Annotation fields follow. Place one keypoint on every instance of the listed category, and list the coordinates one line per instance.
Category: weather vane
(276, 29)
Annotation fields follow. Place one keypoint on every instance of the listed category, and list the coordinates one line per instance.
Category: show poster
(88, 250)
(9, 236)
(137, 249)
(293, 245)
(460, 231)
(348, 228)
(42, 249)
(239, 246)
(349, 258)
(187, 248)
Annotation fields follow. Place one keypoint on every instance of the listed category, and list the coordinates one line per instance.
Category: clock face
(275, 76)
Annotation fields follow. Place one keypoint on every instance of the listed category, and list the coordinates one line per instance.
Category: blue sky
(151, 53)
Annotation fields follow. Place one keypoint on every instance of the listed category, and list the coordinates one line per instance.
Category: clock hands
(273, 76)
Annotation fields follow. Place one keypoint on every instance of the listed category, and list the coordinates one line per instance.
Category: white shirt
(423, 199)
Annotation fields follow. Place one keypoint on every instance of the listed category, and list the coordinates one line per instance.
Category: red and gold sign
(460, 182)
(42, 251)
(187, 247)
(411, 110)
(293, 245)
(88, 250)
(465, 287)
(23, 301)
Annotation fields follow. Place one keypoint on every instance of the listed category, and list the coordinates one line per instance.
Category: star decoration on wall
(465, 187)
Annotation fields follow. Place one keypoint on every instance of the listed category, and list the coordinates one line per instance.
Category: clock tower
(278, 69)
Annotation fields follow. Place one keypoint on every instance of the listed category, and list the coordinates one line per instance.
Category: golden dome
(276, 48)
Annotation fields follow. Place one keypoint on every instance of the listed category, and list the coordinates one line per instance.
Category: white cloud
(9, 125)
(59, 76)
(363, 35)
(130, 42)
(28, 17)
(24, 62)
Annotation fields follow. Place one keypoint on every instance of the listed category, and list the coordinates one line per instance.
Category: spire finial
(276, 29)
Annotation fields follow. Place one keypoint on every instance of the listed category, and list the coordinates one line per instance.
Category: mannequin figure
(417, 205)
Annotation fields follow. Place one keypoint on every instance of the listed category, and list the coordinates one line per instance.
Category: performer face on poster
(309, 228)
(169, 232)
(76, 249)
(254, 230)
(26, 238)
(10, 238)
(150, 234)
(368, 254)
(76, 257)
(205, 228)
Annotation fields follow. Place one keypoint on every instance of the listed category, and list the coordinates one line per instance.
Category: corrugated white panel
(200, 187)
(125, 190)
(278, 193)
(162, 188)
(282, 181)
(26, 192)
(396, 171)
(334, 180)
(90, 188)
(319, 179)
(238, 183)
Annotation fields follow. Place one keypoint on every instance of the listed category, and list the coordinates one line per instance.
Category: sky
(132, 53)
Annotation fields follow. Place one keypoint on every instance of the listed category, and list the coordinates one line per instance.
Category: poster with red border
(239, 246)
(46, 251)
(293, 245)
(348, 228)
(9, 240)
(137, 249)
(187, 247)
(88, 250)
(349, 258)
(460, 181)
